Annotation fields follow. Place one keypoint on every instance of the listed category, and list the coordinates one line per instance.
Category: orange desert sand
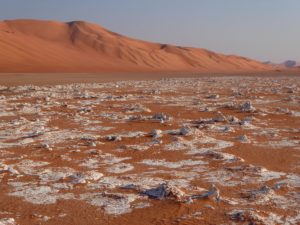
(105, 140)
(46, 46)
(209, 150)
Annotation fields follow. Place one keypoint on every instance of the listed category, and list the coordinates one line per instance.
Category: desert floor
(15, 79)
(202, 150)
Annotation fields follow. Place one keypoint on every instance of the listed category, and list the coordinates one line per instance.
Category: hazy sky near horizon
(260, 29)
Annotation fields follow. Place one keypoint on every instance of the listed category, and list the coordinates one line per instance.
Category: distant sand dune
(47, 46)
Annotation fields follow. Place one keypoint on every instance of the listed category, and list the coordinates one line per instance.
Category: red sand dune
(47, 46)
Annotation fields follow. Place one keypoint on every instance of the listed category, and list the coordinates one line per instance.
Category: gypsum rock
(222, 156)
(213, 191)
(161, 117)
(247, 107)
(186, 131)
(213, 96)
(156, 133)
(243, 139)
(82, 178)
(113, 138)
(165, 190)
(7, 221)
(6, 168)
(263, 192)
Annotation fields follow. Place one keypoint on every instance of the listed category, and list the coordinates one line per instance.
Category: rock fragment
(213, 191)
(7, 221)
(82, 178)
(114, 138)
(165, 190)
(46, 146)
(120, 168)
(264, 192)
(247, 107)
(156, 133)
(233, 120)
(223, 156)
(213, 96)
(5, 168)
(244, 139)
(186, 131)
(245, 216)
(219, 117)
(161, 117)
(136, 108)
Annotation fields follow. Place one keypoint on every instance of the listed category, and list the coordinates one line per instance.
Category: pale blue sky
(260, 29)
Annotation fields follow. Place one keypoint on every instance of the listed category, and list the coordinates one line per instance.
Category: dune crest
(48, 46)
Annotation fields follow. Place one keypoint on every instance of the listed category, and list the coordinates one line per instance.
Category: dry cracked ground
(174, 151)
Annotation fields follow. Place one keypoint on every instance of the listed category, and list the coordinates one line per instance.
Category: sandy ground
(205, 150)
(14, 79)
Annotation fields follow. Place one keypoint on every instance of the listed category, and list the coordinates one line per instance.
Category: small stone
(120, 168)
(7, 221)
(6, 168)
(165, 190)
(247, 107)
(185, 131)
(76, 150)
(233, 120)
(94, 152)
(209, 207)
(219, 117)
(205, 109)
(82, 178)
(88, 138)
(261, 193)
(244, 139)
(161, 117)
(213, 96)
(113, 138)
(213, 191)
(45, 145)
(93, 175)
(92, 144)
(13, 171)
(249, 216)
(156, 133)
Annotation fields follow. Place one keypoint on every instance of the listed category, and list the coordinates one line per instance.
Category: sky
(260, 29)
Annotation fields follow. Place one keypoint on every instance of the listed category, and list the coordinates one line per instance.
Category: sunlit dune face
(46, 46)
